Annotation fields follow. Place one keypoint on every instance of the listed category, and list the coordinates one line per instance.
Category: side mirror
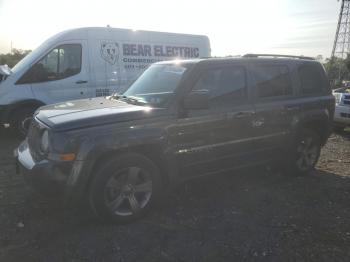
(197, 100)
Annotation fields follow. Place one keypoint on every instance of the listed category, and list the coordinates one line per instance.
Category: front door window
(61, 62)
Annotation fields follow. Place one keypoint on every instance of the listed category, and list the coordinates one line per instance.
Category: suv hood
(91, 112)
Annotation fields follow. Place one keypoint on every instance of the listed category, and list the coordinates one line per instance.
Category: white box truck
(87, 62)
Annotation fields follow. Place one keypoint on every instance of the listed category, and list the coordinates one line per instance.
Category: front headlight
(44, 144)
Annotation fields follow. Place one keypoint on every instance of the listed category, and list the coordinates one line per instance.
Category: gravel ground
(251, 215)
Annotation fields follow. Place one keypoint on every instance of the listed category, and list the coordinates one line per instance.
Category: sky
(235, 27)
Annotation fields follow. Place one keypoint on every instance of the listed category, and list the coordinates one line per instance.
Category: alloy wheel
(307, 152)
(128, 191)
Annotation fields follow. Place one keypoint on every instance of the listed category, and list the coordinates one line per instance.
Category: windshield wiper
(117, 96)
(134, 100)
(129, 99)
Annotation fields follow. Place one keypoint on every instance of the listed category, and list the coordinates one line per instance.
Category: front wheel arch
(150, 151)
(20, 118)
(29, 103)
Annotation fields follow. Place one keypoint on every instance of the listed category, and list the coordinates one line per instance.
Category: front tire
(305, 152)
(125, 188)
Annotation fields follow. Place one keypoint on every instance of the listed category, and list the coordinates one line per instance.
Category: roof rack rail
(276, 56)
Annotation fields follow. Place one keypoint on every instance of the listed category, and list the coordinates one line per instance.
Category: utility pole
(341, 46)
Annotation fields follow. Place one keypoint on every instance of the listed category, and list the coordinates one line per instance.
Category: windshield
(157, 84)
(29, 58)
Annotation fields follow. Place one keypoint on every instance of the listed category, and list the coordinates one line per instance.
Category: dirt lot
(252, 215)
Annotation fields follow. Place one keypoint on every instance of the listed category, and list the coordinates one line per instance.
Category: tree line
(11, 59)
(338, 70)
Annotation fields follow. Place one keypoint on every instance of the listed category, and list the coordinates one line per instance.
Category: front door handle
(81, 82)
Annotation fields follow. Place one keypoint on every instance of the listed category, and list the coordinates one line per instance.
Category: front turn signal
(67, 157)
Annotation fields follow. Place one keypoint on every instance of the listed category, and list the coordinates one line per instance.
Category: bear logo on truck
(110, 51)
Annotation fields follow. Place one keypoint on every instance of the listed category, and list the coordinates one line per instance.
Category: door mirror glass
(198, 99)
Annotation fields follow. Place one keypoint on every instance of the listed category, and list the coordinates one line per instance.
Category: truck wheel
(305, 152)
(21, 120)
(125, 188)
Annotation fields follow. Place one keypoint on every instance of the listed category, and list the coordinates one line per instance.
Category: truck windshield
(28, 59)
(157, 84)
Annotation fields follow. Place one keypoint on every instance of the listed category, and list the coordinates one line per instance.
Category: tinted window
(156, 86)
(61, 62)
(224, 85)
(312, 79)
(272, 80)
(157, 79)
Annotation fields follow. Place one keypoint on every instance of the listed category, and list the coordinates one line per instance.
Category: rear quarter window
(312, 79)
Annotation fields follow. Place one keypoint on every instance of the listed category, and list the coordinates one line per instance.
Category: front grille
(345, 115)
(33, 138)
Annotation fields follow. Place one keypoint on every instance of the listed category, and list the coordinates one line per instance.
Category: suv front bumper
(342, 115)
(45, 176)
(3, 114)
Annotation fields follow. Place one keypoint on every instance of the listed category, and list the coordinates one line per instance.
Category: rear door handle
(81, 82)
(292, 108)
(240, 114)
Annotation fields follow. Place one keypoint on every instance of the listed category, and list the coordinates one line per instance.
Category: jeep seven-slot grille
(33, 138)
(345, 115)
(346, 100)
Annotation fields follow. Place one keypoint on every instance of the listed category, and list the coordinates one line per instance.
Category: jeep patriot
(179, 120)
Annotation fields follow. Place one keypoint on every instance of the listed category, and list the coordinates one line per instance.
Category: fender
(91, 151)
(9, 109)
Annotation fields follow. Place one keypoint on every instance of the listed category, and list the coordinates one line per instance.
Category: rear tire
(304, 152)
(125, 188)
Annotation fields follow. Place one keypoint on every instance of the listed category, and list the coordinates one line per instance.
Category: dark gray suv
(179, 120)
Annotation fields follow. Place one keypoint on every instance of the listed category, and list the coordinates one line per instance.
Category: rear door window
(272, 81)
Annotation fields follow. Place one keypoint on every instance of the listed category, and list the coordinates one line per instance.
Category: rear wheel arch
(321, 126)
